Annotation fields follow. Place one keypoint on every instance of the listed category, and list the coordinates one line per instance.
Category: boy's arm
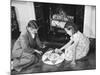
(24, 43)
(19, 46)
(39, 43)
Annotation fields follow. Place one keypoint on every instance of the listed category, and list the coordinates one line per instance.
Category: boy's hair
(32, 24)
(71, 26)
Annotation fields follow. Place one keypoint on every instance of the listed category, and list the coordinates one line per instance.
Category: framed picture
(52, 37)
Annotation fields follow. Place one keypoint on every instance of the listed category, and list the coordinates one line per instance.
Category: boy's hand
(12, 65)
(43, 46)
(39, 52)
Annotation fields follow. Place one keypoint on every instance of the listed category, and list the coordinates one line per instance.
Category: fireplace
(51, 32)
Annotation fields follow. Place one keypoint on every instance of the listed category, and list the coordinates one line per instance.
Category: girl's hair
(71, 26)
(32, 24)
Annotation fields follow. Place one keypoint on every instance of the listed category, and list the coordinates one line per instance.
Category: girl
(26, 46)
(77, 47)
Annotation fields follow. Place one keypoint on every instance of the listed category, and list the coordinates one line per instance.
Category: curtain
(90, 21)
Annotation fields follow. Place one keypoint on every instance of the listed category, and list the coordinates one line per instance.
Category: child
(25, 47)
(77, 47)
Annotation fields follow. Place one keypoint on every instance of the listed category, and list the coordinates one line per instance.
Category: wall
(25, 12)
(90, 21)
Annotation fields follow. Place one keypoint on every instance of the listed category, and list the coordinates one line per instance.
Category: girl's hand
(58, 50)
(73, 64)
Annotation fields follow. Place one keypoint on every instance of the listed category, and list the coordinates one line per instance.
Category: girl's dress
(82, 47)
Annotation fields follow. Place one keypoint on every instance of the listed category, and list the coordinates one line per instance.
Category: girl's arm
(66, 45)
(74, 53)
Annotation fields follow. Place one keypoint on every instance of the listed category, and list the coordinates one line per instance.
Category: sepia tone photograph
(52, 37)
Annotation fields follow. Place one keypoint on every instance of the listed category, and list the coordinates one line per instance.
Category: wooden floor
(87, 63)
